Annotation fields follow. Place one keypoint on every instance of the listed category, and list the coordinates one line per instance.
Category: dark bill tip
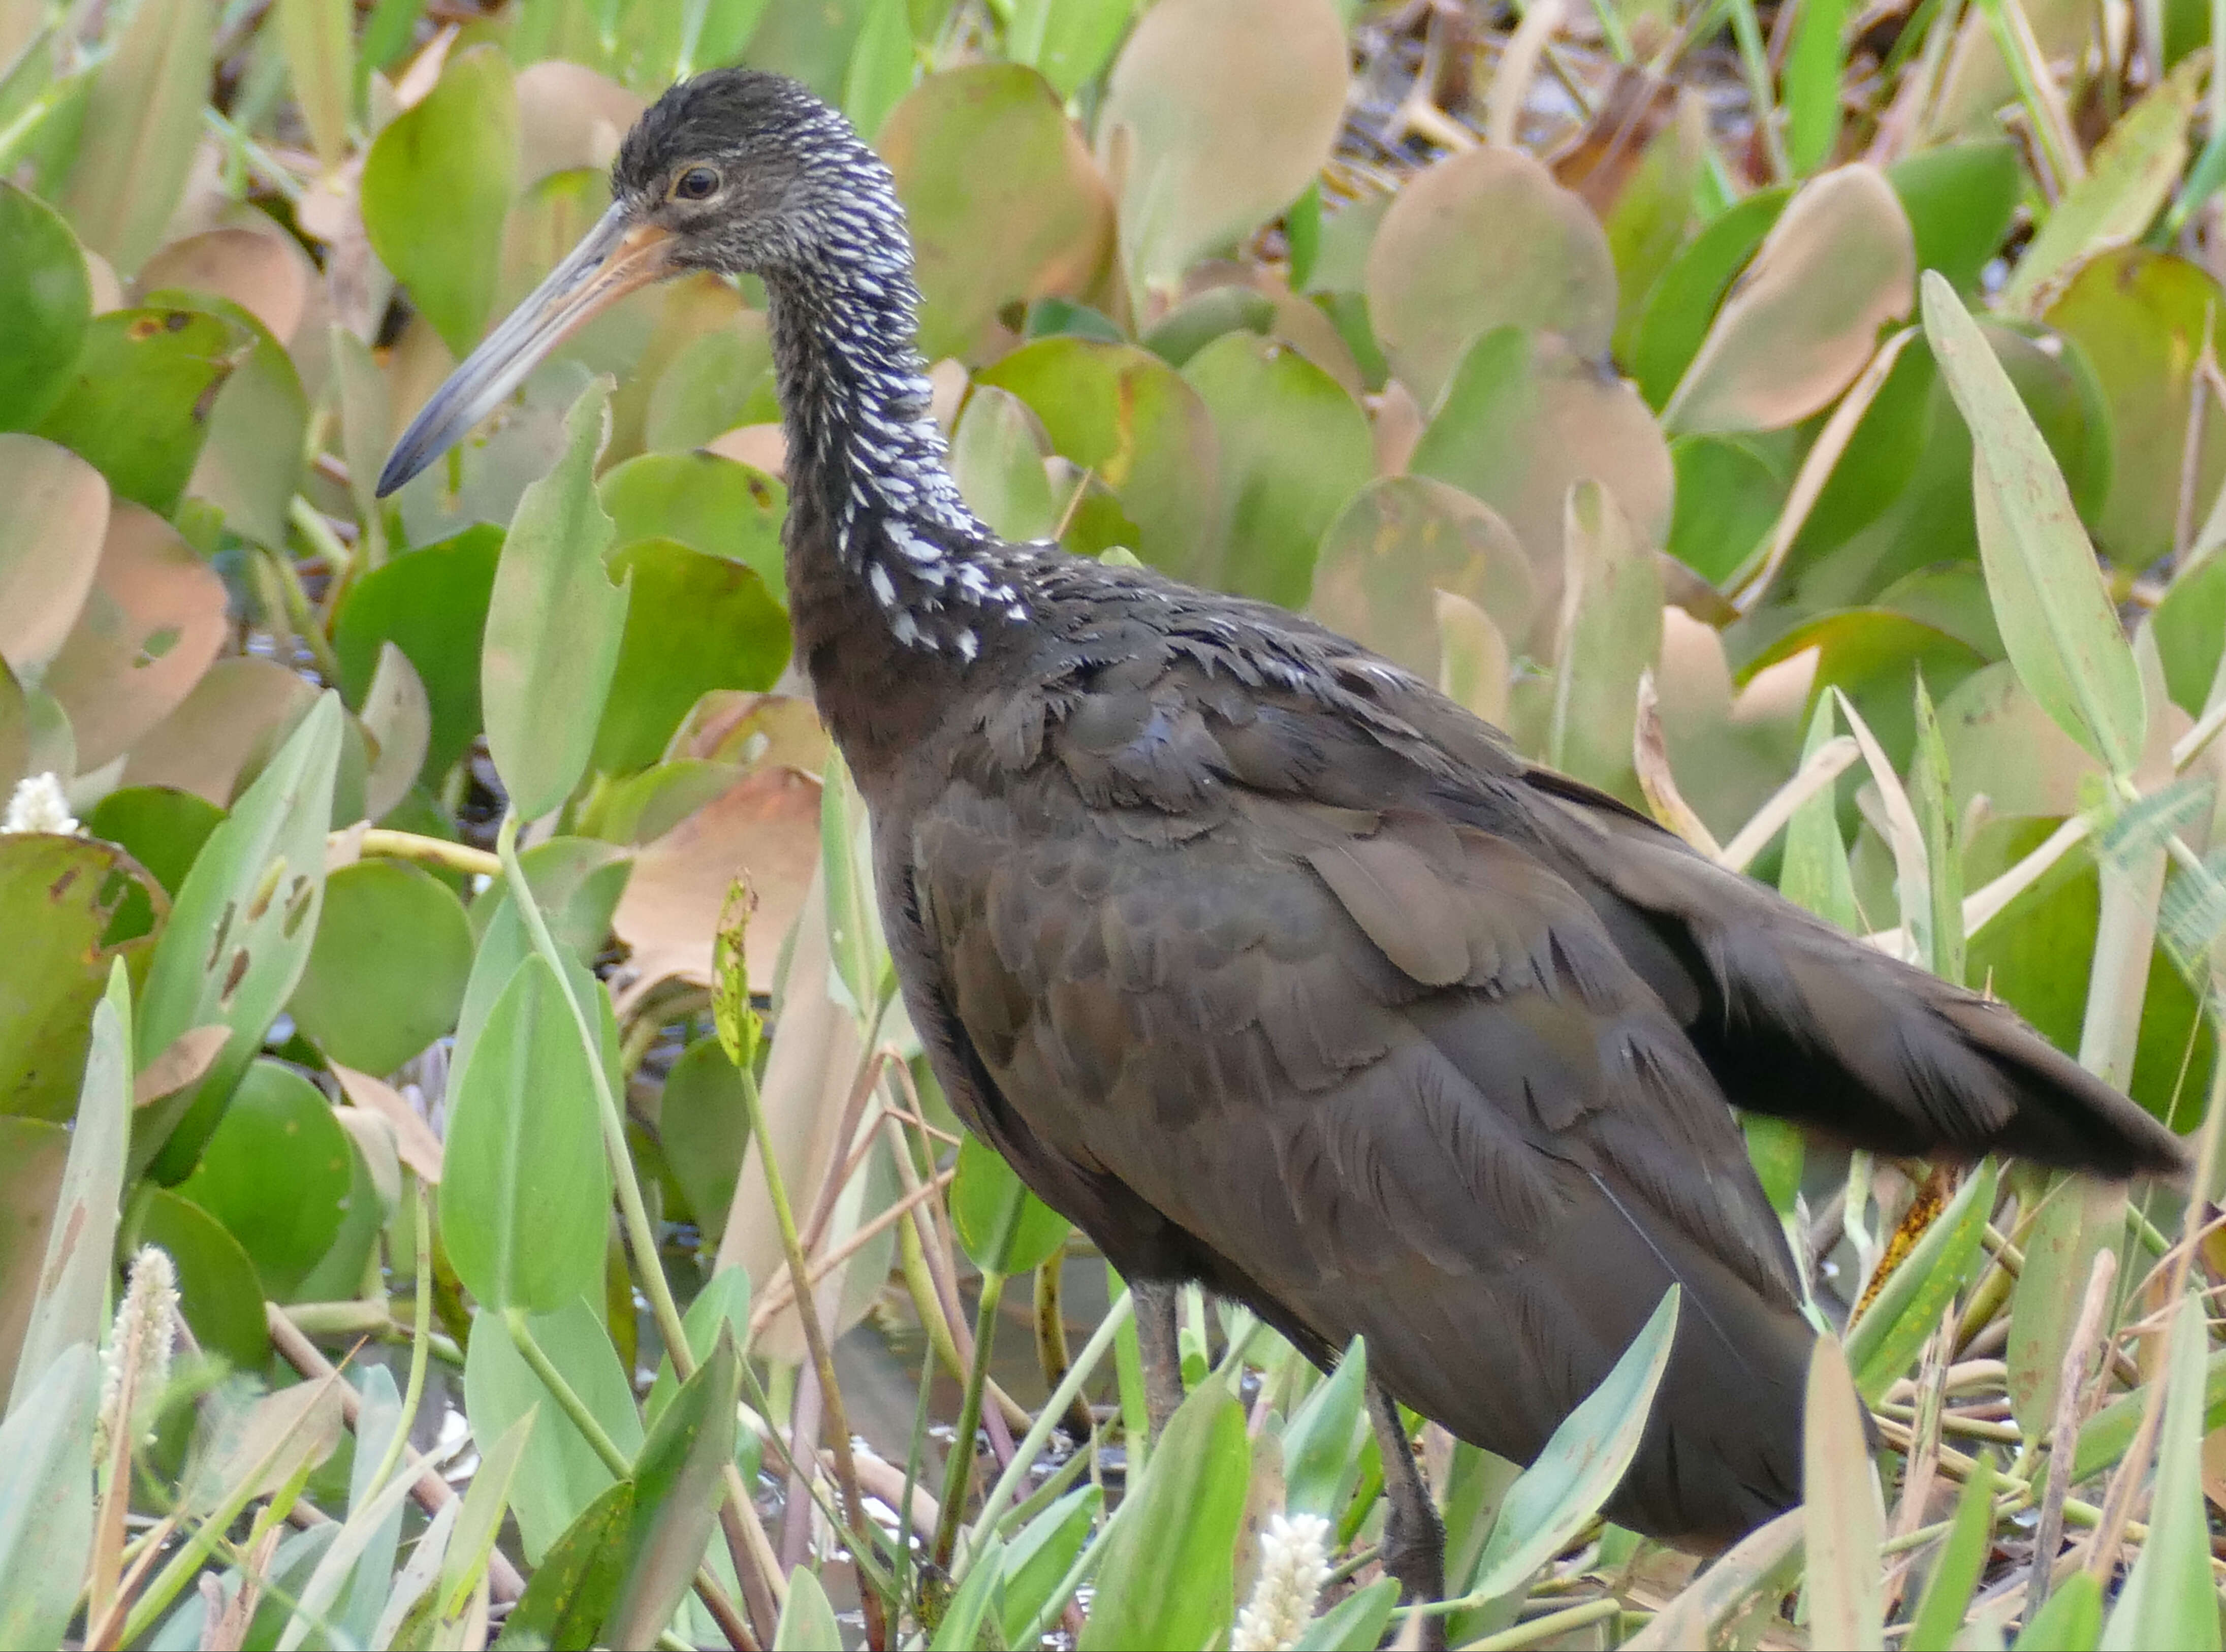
(614, 257)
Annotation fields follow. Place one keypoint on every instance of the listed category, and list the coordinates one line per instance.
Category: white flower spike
(1293, 1565)
(38, 805)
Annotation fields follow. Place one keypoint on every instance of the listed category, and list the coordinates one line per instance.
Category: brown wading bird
(1267, 964)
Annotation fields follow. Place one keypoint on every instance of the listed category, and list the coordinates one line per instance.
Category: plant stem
(641, 1236)
(387, 844)
(1100, 1344)
(420, 1342)
(961, 1469)
(815, 1338)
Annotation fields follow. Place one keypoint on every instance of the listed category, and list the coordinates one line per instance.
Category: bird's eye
(698, 183)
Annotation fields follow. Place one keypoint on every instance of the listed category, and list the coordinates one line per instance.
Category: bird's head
(736, 171)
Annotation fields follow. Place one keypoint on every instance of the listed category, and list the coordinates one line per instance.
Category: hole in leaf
(154, 646)
(265, 889)
(233, 978)
(223, 929)
(297, 905)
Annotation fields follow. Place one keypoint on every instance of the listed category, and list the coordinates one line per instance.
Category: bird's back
(1272, 968)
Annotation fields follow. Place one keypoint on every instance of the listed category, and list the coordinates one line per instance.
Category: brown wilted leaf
(765, 827)
(1598, 160)
(414, 1140)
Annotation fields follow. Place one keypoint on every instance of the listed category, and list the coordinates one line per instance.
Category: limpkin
(1269, 965)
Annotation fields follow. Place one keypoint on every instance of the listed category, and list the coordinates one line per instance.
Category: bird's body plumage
(1272, 968)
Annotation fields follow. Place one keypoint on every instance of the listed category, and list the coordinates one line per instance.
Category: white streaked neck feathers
(855, 398)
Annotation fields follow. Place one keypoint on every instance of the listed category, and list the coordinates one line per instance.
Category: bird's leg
(1414, 1548)
(1158, 1341)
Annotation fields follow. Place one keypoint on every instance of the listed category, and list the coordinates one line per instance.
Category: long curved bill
(617, 256)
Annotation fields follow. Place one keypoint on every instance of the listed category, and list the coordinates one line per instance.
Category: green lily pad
(1294, 447)
(1401, 542)
(997, 459)
(432, 604)
(436, 186)
(1125, 414)
(1485, 240)
(722, 380)
(717, 505)
(138, 404)
(386, 972)
(276, 1172)
(58, 898)
(250, 463)
(164, 830)
(695, 623)
(1039, 224)
(45, 306)
(2191, 631)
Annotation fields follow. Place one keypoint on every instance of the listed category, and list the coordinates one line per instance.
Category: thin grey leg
(1414, 1537)
(1161, 1347)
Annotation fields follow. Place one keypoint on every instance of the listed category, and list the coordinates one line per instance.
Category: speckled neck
(866, 461)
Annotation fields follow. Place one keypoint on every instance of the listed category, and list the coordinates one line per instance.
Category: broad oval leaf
(50, 541)
(1125, 414)
(218, 1291)
(386, 974)
(695, 623)
(58, 898)
(1038, 224)
(149, 626)
(715, 505)
(276, 1171)
(1294, 447)
(1683, 303)
(2142, 319)
(525, 1183)
(137, 405)
(2129, 177)
(1401, 545)
(1483, 240)
(985, 1197)
(432, 604)
(1209, 136)
(1837, 266)
(45, 306)
(436, 186)
(2057, 619)
(1523, 419)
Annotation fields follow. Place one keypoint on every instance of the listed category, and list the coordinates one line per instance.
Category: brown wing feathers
(1798, 1021)
(1344, 1013)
